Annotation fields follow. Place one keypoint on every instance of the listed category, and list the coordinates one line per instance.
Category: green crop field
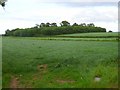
(0, 62)
(93, 34)
(59, 62)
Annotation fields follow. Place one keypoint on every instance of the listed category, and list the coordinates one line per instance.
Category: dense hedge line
(30, 32)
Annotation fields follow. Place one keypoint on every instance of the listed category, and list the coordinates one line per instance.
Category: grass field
(93, 34)
(35, 62)
(0, 62)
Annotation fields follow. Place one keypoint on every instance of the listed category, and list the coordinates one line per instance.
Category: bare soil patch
(65, 81)
(14, 82)
(42, 69)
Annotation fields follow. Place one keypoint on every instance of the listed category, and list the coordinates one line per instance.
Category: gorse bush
(54, 30)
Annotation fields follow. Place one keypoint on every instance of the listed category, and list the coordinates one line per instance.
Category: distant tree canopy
(110, 31)
(65, 23)
(53, 29)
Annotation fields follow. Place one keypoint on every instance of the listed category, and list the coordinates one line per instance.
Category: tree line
(52, 29)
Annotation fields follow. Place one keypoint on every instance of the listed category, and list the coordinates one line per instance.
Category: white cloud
(12, 24)
(77, 0)
(98, 14)
(27, 13)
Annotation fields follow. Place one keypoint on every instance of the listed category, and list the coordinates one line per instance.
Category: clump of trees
(110, 31)
(52, 29)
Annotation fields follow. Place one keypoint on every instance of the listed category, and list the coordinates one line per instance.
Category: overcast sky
(27, 13)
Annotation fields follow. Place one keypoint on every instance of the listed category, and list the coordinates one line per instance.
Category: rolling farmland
(61, 61)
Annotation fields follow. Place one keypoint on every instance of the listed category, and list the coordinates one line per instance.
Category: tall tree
(75, 24)
(42, 25)
(7, 32)
(91, 25)
(53, 24)
(65, 23)
(47, 24)
(36, 26)
(83, 24)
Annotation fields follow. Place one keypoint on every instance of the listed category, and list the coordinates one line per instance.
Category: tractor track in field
(42, 69)
(65, 81)
(14, 82)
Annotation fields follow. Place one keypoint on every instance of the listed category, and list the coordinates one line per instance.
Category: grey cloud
(95, 19)
(77, 0)
(87, 4)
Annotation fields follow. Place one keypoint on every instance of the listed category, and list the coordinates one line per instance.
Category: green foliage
(42, 25)
(92, 35)
(47, 24)
(65, 23)
(109, 31)
(91, 25)
(53, 24)
(75, 24)
(75, 63)
(83, 24)
(53, 29)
